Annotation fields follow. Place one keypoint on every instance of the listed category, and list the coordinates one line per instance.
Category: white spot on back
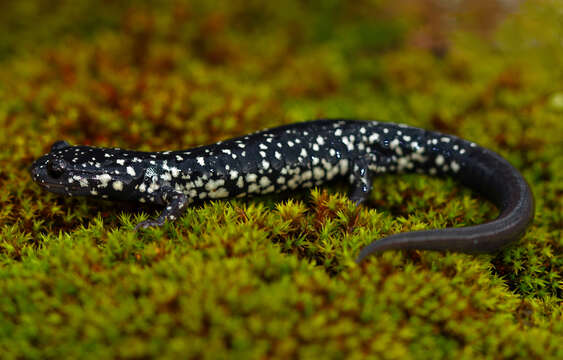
(104, 180)
(219, 193)
(253, 188)
(117, 185)
(213, 185)
(318, 173)
(439, 160)
(373, 137)
(264, 181)
(343, 166)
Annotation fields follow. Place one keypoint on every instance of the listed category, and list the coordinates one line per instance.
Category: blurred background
(368, 24)
(122, 71)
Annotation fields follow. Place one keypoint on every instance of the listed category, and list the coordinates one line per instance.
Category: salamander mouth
(57, 187)
(60, 187)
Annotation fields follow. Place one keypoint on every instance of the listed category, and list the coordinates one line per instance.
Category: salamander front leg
(361, 181)
(175, 204)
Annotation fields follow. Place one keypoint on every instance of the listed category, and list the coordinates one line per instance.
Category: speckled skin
(296, 156)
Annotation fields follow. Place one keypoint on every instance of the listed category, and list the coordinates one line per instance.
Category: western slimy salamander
(296, 156)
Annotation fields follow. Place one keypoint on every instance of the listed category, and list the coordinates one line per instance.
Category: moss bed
(274, 277)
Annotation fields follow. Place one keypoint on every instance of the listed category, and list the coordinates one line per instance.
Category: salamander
(295, 156)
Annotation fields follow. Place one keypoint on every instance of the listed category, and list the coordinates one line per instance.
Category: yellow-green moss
(274, 276)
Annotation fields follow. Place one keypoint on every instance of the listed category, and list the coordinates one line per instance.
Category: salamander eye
(56, 167)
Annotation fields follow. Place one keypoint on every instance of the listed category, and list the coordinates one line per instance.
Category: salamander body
(300, 155)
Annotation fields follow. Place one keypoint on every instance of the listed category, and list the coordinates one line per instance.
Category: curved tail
(490, 174)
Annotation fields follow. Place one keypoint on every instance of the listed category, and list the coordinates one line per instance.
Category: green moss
(274, 276)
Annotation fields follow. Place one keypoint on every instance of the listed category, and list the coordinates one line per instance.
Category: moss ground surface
(273, 277)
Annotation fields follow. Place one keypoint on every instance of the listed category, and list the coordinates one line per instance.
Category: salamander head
(84, 170)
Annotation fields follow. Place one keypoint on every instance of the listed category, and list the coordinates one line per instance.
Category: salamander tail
(491, 175)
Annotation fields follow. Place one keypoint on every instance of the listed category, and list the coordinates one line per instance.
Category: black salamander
(295, 156)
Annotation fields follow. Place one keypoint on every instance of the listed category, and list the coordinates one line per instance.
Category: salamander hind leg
(361, 181)
(175, 204)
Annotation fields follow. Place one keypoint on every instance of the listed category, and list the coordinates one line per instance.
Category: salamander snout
(38, 169)
(50, 166)
(50, 173)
